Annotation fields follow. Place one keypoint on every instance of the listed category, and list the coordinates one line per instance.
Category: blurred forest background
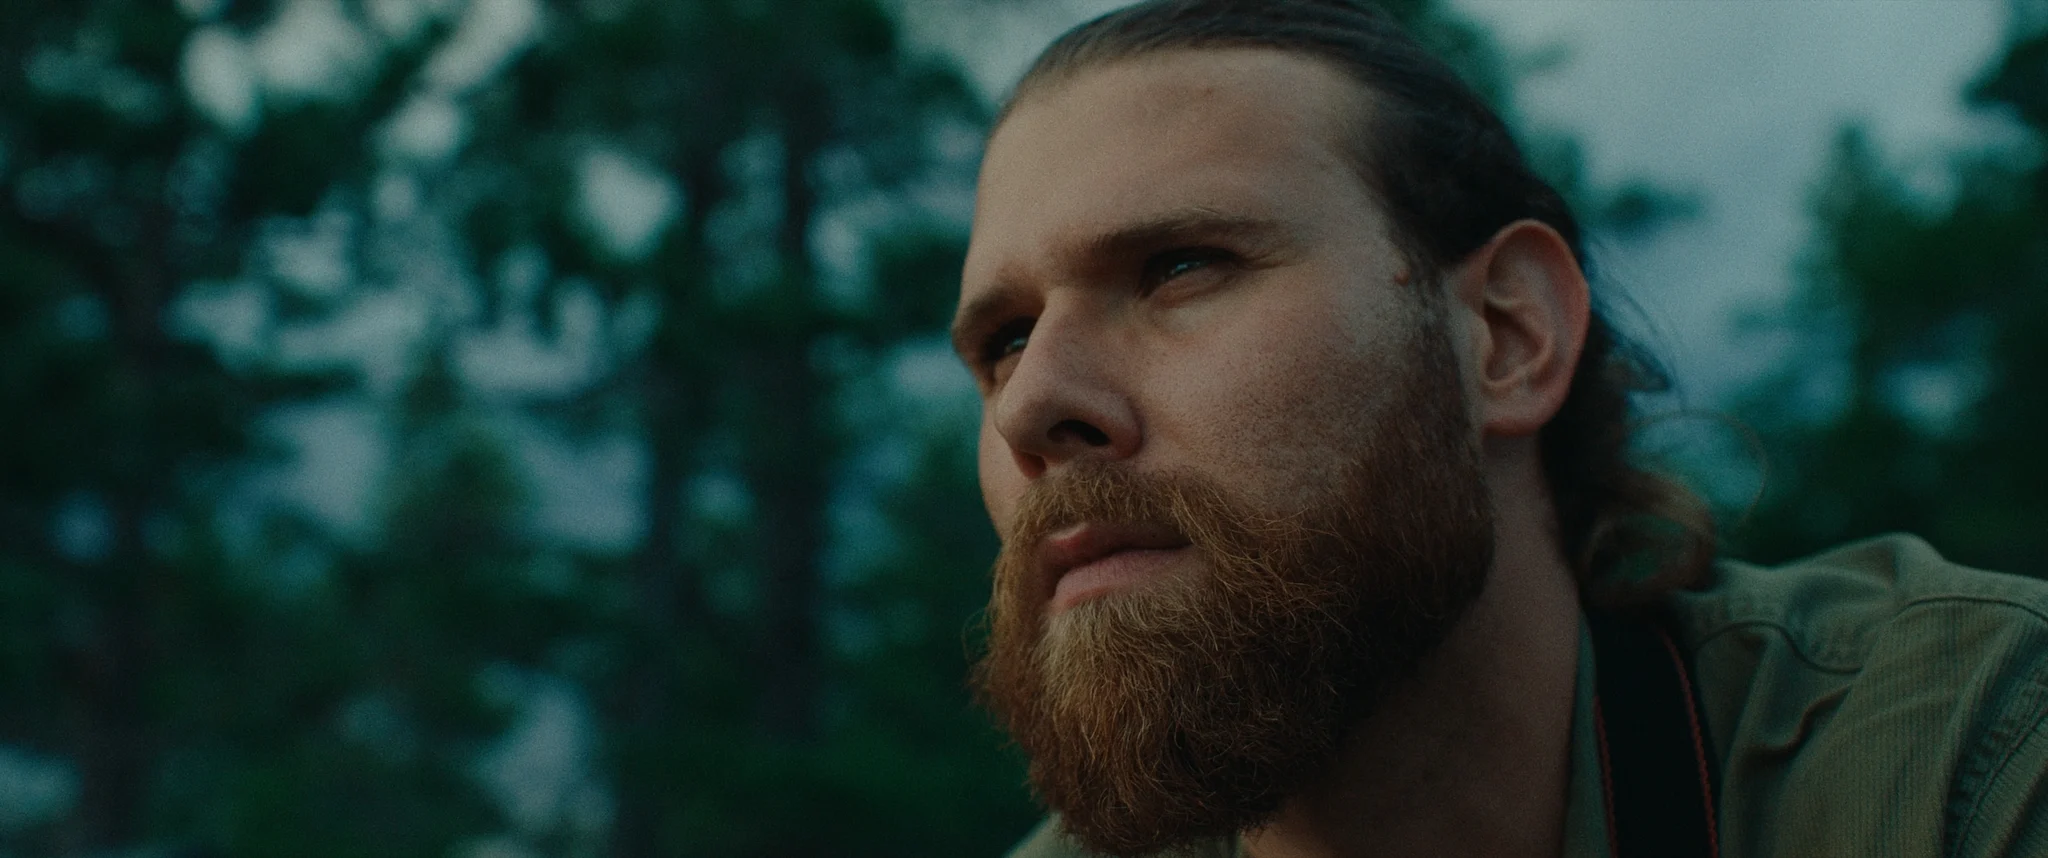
(521, 253)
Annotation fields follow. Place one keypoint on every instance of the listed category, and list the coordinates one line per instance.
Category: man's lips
(1084, 560)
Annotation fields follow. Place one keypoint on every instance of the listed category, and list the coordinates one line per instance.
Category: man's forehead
(1179, 102)
(1192, 72)
(1243, 132)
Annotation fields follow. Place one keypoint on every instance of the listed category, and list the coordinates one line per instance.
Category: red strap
(1699, 740)
(1658, 781)
(1606, 778)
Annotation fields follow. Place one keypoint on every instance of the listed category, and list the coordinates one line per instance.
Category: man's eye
(1006, 341)
(1161, 269)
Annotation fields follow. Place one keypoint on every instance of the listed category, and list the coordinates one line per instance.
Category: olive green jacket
(1875, 700)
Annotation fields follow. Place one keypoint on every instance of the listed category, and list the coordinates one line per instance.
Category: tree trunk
(670, 607)
(791, 464)
(113, 750)
(115, 753)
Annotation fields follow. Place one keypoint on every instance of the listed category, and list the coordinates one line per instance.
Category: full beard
(1192, 706)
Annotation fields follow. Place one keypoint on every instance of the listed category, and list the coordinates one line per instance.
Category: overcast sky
(1741, 101)
(1736, 101)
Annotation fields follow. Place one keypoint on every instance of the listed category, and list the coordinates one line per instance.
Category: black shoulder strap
(1659, 776)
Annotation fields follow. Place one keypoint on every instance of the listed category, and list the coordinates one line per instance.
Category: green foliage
(914, 272)
(1918, 404)
(774, 665)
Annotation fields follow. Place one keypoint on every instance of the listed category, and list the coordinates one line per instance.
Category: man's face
(1223, 440)
(1204, 280)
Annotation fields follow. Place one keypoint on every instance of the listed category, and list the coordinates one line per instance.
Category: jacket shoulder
(1877, 694)
(1835, 606)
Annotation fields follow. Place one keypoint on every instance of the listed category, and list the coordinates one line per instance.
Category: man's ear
(1525, 306)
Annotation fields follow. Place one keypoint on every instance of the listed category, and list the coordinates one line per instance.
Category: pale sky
(1740, 101)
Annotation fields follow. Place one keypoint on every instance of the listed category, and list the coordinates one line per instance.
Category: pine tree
(1917, 405)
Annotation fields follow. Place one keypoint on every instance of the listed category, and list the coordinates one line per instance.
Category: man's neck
(1474, 756)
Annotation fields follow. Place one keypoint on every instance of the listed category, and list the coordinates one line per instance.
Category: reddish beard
(1192, 706)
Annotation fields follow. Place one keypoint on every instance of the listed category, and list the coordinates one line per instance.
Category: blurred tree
(114, 197)
(775, 122)
(759, 203)
(1632, 209)
(141, 640)
(1918, 403)
(772, 121)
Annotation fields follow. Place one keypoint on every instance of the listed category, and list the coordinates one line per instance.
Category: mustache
(1090, 491)
(1108, 493)
(1095, 492)
(1223, 527)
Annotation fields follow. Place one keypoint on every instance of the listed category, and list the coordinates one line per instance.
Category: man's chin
(1097, 603)
(1109, 616)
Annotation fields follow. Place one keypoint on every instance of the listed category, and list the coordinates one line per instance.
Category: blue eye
(1006, 341)
(1167, 266)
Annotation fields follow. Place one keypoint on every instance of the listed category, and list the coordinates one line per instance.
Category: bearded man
(1307, 449)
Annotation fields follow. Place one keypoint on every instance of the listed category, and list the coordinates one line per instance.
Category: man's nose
(1066, 398)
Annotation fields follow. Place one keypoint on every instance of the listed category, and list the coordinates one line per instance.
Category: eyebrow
(1184, 225)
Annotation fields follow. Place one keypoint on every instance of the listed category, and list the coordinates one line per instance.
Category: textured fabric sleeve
(1878, 701)
(2000, 803)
